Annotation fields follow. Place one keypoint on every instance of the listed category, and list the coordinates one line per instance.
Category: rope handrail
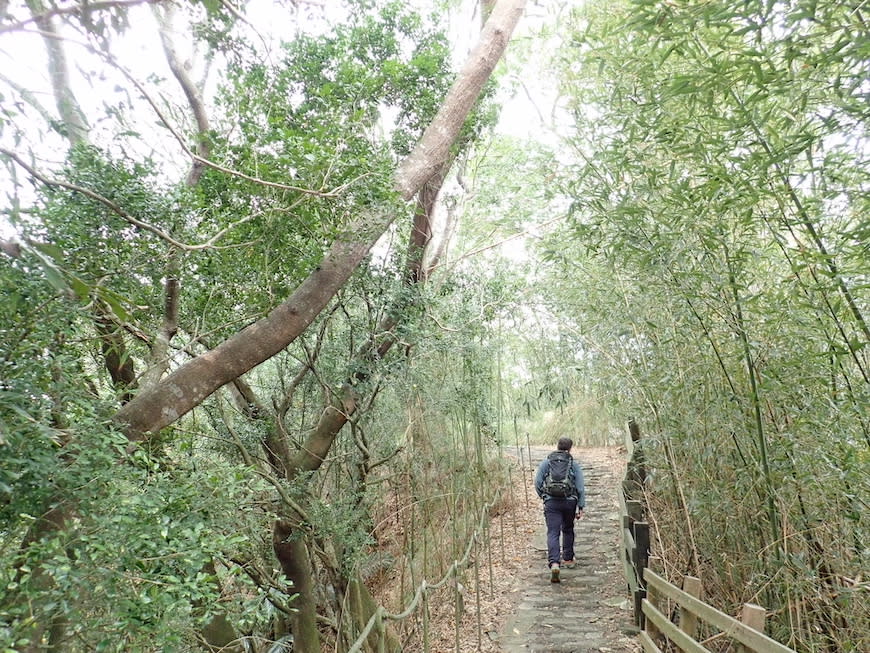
(380, 613)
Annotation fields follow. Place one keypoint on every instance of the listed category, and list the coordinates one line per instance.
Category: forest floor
(519, 609)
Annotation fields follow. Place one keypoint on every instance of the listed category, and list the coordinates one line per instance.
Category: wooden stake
(753, 616)
(689, 620)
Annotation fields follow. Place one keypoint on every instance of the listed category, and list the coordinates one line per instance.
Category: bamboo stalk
(477, 596)
(756, 400)
(488, 536)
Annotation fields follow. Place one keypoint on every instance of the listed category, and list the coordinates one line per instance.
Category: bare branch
(73, 9)
(501, 242)
(191, 92)
(115, 208)
(233, 10)
(443, 327)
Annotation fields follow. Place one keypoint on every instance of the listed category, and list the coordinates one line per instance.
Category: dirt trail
(589, 610)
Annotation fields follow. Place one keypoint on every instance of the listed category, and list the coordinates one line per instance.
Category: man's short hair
(565, 444)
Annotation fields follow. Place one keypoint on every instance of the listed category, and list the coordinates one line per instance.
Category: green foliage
(89, 242)
(136, 538)
(319, 109)
(723, 302)
(139, 557)
(34, 323)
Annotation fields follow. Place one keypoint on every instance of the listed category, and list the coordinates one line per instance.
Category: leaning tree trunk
(157, 407)
(426, 162)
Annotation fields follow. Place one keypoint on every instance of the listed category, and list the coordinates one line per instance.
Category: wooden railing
(697, 619)
(373, 634)
(672, 618)
(635, 529)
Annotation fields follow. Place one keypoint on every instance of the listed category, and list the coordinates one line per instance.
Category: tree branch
(434, 146)
(117, 361)
(160, 348)
(118, 210)
(335, 192)
(74, 9)
(190, 384)
(87, 192)
(191, 92)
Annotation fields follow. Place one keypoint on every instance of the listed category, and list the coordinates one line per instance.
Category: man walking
(559, 482)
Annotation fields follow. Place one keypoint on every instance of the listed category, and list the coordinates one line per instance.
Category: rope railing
(381, 615)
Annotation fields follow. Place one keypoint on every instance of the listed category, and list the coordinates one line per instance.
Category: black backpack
(559, 481)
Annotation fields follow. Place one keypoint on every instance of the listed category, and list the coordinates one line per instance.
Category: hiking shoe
(569, 564)
(554, 572)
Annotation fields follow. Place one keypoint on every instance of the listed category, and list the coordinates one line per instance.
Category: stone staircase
(589, 610)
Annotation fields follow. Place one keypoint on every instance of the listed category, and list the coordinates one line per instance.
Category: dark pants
(559, 515)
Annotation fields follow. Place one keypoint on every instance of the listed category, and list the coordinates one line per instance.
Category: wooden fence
(697, 619)
(669, 617)
(372, 636)
(635, 529)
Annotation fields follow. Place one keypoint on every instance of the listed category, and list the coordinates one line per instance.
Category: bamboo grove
(716, 277)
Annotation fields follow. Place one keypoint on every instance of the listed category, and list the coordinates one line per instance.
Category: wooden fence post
(628, 488)
(637, 551)
(689, 620)
(653, 599)
(633, 430)
(640, 530)
(635, 510)
(753, 616)
(640, 560)
(635, 473)
(639, 595)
